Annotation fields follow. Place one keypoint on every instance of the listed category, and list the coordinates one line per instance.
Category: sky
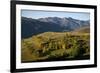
(42, 14)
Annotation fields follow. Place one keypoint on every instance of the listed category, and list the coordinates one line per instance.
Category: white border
(20, 65)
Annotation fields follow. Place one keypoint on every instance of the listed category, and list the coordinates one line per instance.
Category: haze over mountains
(50, 24)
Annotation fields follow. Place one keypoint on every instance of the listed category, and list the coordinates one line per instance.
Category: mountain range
(30, 26)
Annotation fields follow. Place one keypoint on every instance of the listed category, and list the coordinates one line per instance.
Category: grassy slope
(56, 45)
(84, 29)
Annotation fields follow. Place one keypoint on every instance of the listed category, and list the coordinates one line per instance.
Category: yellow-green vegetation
(50, 46)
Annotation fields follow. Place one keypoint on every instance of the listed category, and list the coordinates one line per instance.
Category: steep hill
(51, 24)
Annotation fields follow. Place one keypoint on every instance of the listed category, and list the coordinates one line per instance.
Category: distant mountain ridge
(64, 21)
(54, 24)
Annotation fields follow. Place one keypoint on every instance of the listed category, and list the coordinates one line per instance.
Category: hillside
(84, 29)
(55, 46)
(31, 26)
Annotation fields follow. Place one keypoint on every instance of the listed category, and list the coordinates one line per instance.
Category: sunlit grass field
(55, 46)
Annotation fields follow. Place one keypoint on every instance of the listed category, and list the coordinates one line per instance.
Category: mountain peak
(52, 24)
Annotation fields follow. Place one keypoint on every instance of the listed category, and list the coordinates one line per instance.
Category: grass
(51, 46)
